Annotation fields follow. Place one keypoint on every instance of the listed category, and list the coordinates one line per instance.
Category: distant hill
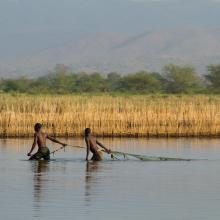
(106, 35)
(122, 52)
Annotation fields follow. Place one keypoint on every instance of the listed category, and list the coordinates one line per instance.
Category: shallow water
(69, 188)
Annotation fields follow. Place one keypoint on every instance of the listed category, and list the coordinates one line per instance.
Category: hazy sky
(30, 25)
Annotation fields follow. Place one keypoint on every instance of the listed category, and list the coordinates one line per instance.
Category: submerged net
(117, 155)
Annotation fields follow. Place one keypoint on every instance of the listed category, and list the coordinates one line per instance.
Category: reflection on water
(39, 170)
(68, 187)
(91, 179)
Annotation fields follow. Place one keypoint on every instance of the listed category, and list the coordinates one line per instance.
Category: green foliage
(181, 79)
(141, 82)
(173, 79)
(89, 83)
(213, 78)
(112, 81)
(18, 85)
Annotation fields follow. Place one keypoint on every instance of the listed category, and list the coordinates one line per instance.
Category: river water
(69, 188)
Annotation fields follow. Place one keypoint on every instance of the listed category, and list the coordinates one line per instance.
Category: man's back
(92, 142)
(41, 139)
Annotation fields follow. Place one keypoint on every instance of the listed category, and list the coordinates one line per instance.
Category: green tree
(59, 81)
(181, 79)
(141, 82)
(213, 78)
(16, 85)
(89, 83)
(112, 81)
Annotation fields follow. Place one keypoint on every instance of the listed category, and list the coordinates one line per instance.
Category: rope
(80, 147)
(64, 147)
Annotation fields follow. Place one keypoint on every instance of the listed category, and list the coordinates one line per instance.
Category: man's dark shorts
(42, 153)
(98, 156)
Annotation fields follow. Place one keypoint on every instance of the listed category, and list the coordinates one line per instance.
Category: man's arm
(55, 140)
(102, 146)
(87, 148)
(33, 145)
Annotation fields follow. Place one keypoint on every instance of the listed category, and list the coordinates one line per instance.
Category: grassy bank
(111, 116)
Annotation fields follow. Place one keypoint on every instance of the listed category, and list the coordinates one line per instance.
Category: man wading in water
(40, 140)
(91, 143)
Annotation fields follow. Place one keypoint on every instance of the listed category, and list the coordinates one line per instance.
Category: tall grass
(111, 116)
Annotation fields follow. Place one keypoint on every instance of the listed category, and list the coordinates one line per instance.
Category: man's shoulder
(40, 134)
(90, 137)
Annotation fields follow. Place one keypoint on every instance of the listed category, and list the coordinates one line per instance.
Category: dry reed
(111, 116)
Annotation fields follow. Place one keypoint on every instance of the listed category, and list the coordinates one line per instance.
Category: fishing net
(116, 155)
(119, 155)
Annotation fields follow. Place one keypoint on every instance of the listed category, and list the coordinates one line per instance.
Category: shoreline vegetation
(111, 115)
(172, 79)
(176, 102)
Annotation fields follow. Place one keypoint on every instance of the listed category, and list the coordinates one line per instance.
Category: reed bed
(120, 116)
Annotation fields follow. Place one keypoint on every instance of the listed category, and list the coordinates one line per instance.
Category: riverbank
(111, 116)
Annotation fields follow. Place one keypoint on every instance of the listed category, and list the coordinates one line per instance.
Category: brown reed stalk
(130, 116)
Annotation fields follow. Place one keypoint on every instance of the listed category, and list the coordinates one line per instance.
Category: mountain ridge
(122, 52)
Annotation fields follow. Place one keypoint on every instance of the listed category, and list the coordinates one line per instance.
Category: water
(69, 188)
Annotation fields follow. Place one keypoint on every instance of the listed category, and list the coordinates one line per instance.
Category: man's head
(87, 131)
(37, 127)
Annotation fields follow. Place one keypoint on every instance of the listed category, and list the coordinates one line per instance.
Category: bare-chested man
(40, 140)
(91, 143)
